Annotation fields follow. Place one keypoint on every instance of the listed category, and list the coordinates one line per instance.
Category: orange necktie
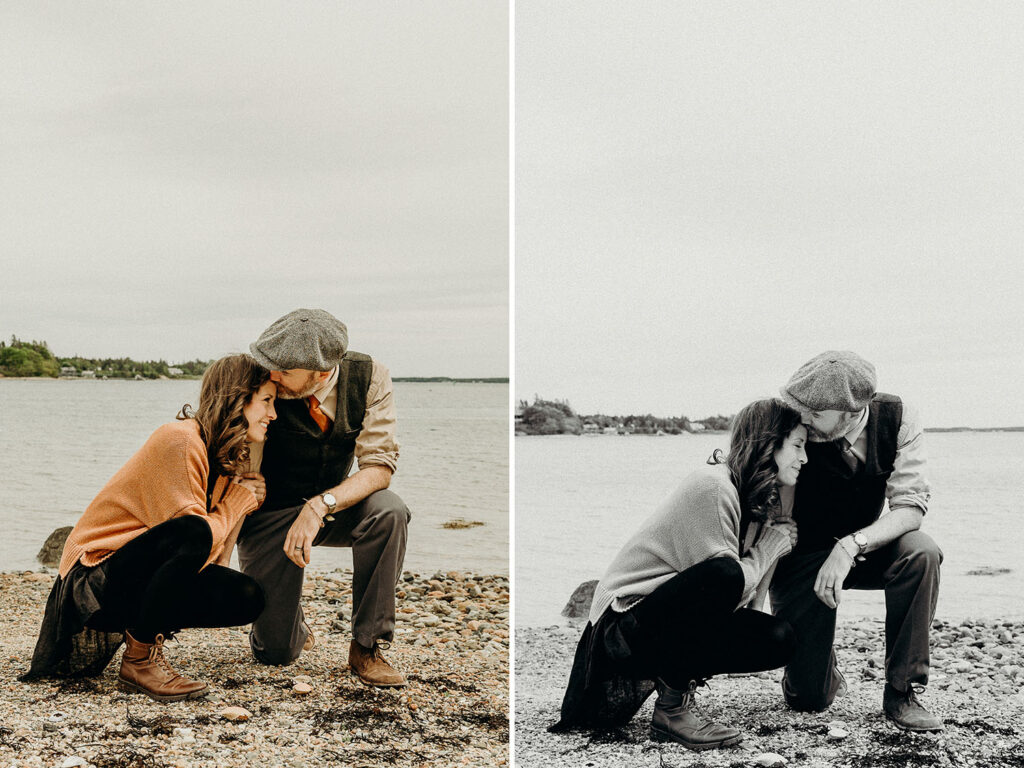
(318, 416)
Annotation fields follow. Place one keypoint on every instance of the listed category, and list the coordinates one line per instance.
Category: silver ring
(298, 549)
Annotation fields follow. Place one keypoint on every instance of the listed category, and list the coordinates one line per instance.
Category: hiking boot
(369, 666)
(144, 669)
(675, 719)
(906, 712)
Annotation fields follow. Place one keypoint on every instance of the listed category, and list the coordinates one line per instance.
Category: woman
(149, 556)
(674, 606)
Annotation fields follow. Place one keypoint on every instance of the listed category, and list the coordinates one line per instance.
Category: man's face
(823, 426)
(296, 383)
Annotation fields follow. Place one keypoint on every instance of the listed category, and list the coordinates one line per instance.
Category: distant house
(611, 430)
(175, 372)
(88, 374)
(697, 426)
(68, 370)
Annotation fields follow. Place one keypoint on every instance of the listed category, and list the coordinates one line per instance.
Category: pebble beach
(451, 640)
(975, 688)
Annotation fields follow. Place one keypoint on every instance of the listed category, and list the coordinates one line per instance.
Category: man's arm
(377, 453)
(908, 492)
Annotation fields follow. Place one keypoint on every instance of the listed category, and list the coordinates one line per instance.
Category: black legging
(154, 585)
(689, 628)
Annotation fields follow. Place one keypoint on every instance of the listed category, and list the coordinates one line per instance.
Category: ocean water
(61, 440)
(579, 498)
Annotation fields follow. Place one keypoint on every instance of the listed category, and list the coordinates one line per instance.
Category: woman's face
(259, 412)
(791, 455)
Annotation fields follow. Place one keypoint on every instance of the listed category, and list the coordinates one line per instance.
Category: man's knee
(389, 510)
(277, 656)
(920, 553)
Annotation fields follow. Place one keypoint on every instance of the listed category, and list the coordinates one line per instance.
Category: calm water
(579, 498)
(61, 440)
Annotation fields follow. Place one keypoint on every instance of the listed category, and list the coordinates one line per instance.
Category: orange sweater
(165, 479)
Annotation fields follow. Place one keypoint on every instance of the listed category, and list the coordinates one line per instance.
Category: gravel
(451, 640)
(976, 680)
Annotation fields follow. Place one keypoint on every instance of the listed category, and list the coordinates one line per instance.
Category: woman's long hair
(228, 385)
(758, 431)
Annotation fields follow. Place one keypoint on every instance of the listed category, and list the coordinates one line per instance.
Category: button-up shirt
(907, 486)
(376, 444)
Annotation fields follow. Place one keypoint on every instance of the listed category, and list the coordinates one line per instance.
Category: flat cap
(832, 381)
(305, 338)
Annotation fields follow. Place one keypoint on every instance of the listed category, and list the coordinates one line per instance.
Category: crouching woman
(149, 555)
(675, 605)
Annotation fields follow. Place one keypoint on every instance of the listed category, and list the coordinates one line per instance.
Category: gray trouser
(376, 529)
(907, 569)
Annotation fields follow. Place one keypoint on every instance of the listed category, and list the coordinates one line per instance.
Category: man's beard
(816, 436)
(308, 388)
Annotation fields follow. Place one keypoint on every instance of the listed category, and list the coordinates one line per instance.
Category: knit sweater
(165, 479)
(699, 521)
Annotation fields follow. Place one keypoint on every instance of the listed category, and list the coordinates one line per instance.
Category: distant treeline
(34, 358)
(556, 417)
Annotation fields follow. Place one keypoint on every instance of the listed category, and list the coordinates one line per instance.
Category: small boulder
(302, 688)
(770, 760)
(578, 606)
(74, 762)
(52, 549)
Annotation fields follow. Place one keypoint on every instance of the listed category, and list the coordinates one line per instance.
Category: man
(334, 407)
(865, 448)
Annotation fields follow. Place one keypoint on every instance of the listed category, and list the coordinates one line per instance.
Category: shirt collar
(325, 389)
(858, 427)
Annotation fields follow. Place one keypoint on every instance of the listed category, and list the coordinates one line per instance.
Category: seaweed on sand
(444, 683)
(126, 756)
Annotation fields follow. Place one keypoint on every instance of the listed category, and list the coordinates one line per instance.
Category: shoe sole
(904, 727)
(659, 735)
(125, 685)
(377, 685)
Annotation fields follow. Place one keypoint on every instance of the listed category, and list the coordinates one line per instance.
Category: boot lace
(156, 656)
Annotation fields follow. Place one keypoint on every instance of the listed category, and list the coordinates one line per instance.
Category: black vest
(298, 459)
(833, 500)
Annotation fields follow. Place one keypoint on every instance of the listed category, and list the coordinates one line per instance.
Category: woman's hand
(787, 526)
(254, 482)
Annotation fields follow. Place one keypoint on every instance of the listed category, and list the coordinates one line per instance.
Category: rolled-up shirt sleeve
(376, 444)
(907, 485)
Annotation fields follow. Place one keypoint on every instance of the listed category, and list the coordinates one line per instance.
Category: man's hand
(298, 544)
(831, 575)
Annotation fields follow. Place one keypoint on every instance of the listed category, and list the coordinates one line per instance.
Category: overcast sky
(709, 194)
(176, 176)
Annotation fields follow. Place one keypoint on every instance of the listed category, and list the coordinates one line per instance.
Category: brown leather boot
(370, 667)
(144, 669)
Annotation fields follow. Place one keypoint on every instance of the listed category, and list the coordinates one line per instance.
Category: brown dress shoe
(144, 669)
(369, 666)
(310, 638)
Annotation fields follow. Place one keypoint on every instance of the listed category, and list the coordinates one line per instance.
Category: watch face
(329, 499)
(860, 540)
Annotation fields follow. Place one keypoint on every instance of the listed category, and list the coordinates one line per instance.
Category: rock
(770, 760)
(838, 734)
(236, 714)
(187, 735)
(963, 666)
(73, 762)
(302, 688)
(578, 606)
(52, 549)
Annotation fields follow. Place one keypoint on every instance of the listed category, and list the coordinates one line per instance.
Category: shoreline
(451, 640)
(977, 673)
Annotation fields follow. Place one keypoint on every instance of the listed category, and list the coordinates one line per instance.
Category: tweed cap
(306, 338)
(832, 381)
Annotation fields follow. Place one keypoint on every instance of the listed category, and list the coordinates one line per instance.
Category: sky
(176, 176)
(708, 195)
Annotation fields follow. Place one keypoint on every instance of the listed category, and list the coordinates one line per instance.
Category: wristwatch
(331, 503)
(861, 541)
